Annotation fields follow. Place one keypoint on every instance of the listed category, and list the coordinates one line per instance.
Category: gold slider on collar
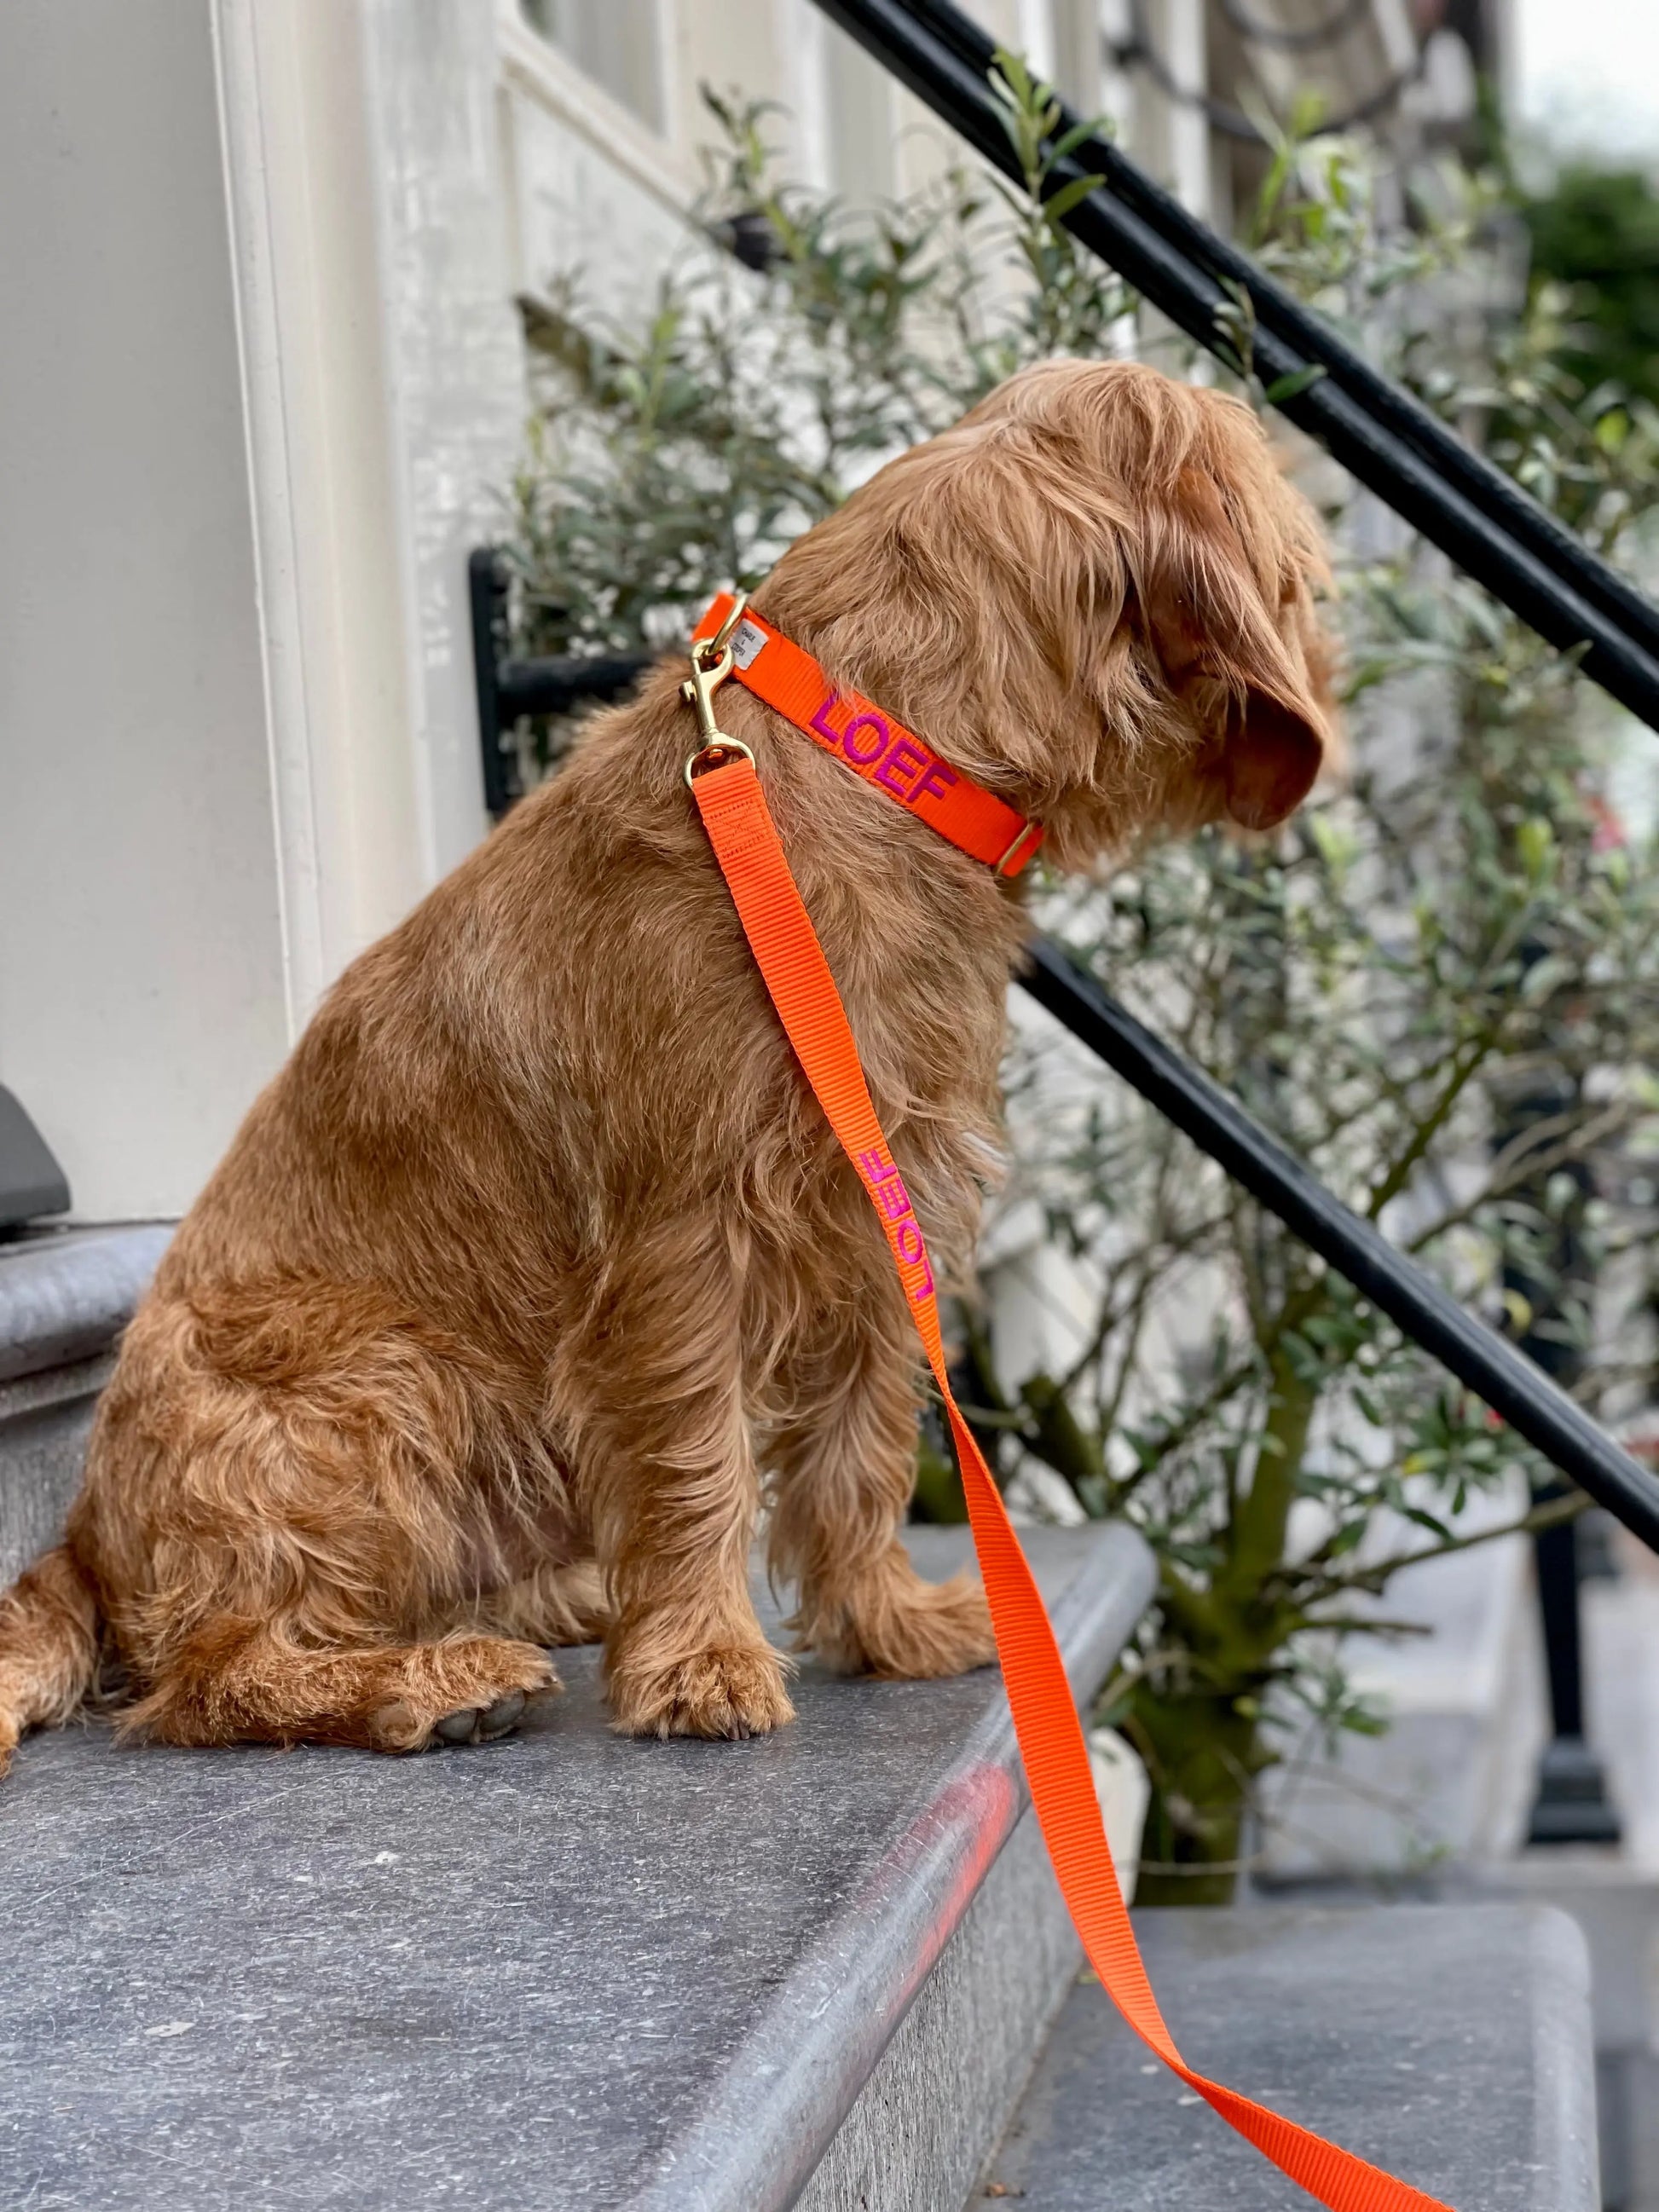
(1015, 856)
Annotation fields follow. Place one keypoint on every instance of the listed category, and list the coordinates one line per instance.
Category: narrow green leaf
(1070, 196)
(1098, 127)
(1294, 386)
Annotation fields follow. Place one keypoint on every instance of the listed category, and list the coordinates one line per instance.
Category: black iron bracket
(509, 690)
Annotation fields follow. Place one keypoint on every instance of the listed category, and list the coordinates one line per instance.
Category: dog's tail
(49, 1647)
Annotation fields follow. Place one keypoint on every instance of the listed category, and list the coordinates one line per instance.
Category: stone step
(587, 1973)
(1449, 2044)
(1454, 1773)
(65, 1295)
(562, 1971)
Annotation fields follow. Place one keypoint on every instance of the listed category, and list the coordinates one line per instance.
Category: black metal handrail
(1496, 1370)
(1455, 497)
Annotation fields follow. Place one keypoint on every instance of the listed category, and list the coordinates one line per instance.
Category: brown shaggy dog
(536, 1269)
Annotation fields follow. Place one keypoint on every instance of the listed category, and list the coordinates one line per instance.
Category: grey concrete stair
(570, 1972)
(564, 1971)
(1450, 2044)
(65, 1295)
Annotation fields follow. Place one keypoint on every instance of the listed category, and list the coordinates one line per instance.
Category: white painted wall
(593, 195)
(261, 380)
(456, 398)
(141, 975)
(384, 397)
(305, 269)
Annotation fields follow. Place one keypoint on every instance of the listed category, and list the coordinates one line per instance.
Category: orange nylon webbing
(1051, 1740)
(873, 746)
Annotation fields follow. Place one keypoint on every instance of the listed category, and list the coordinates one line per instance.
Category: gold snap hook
(711, 664)
(699, 688)
(723, 635)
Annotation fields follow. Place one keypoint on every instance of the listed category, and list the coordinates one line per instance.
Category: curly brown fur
(536, 1270)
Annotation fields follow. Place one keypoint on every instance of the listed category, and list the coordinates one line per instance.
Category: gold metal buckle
(711, 664)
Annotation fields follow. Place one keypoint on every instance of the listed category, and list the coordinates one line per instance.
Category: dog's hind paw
(731, 1691)
(902, 1629)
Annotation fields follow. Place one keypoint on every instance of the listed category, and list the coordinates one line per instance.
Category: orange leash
(790, 959)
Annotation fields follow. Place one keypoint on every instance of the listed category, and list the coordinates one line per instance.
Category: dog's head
(1097, 593)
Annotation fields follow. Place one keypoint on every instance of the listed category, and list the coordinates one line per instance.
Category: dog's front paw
(730, 1690)
(470, 1689)
(903, 1628)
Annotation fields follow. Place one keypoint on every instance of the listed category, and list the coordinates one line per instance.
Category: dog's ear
(1225, 589)
(1271, 759)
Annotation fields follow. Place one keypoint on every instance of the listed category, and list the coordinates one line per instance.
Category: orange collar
(873, 746)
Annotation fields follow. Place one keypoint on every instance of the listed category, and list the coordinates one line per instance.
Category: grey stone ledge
(1450, 2044)
(564, 1971)
(67, 1295)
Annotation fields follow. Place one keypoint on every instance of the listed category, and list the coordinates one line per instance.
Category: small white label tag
(747, 644)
